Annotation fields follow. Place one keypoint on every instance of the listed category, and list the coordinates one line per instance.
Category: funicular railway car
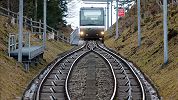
(92, 23)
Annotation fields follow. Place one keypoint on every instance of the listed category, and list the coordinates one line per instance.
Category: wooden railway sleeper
(52, 97)
(63, 64)
(59, 71)
(53, 83)
(127, 83)
(52, 90)
(129, 97)
(124, 72)
(57, 77)
(61, 68)
(67, 61)
(72, 57)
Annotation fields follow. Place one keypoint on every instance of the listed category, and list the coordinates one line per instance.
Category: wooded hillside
(56, 10)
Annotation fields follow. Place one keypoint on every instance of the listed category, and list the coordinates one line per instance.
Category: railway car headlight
(81, 33)
(102, 33)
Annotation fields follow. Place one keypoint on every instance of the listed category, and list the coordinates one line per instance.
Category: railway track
(129, 85)
(91, 72)
(91, 79)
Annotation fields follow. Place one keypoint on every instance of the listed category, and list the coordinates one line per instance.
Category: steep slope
(13, 78)
(149, 57)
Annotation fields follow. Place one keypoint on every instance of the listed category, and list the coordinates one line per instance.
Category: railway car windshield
(92, 17)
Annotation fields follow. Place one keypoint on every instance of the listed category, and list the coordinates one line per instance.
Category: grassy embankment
(13, 78)
(149, 57)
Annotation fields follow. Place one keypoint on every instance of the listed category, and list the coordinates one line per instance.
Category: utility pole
(117, 34)
(8, 6)
(107, 14)
(111, 12)
(44, 29)
(20, 38)
(165, 32)
(139, 18)
(105, 22)
(36, 9)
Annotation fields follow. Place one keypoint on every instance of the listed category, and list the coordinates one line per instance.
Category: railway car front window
(92, 18)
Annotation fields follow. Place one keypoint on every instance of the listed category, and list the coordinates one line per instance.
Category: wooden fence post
(17, 20)
(31, 24)
(40, 26)
(25, 22)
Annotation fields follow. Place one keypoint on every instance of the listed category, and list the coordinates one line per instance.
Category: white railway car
(92, 23)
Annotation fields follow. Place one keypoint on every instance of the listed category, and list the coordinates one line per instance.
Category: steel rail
(40, 85)
(115, 81)
(68, 75)
(129, 83)
(91, 47)
(140, 83)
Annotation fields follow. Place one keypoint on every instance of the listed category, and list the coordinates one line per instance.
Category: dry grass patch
(149, 57)
(13, 79)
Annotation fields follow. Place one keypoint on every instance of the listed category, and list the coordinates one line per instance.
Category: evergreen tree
(56, 10)
(29, 8)
(13, 5)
